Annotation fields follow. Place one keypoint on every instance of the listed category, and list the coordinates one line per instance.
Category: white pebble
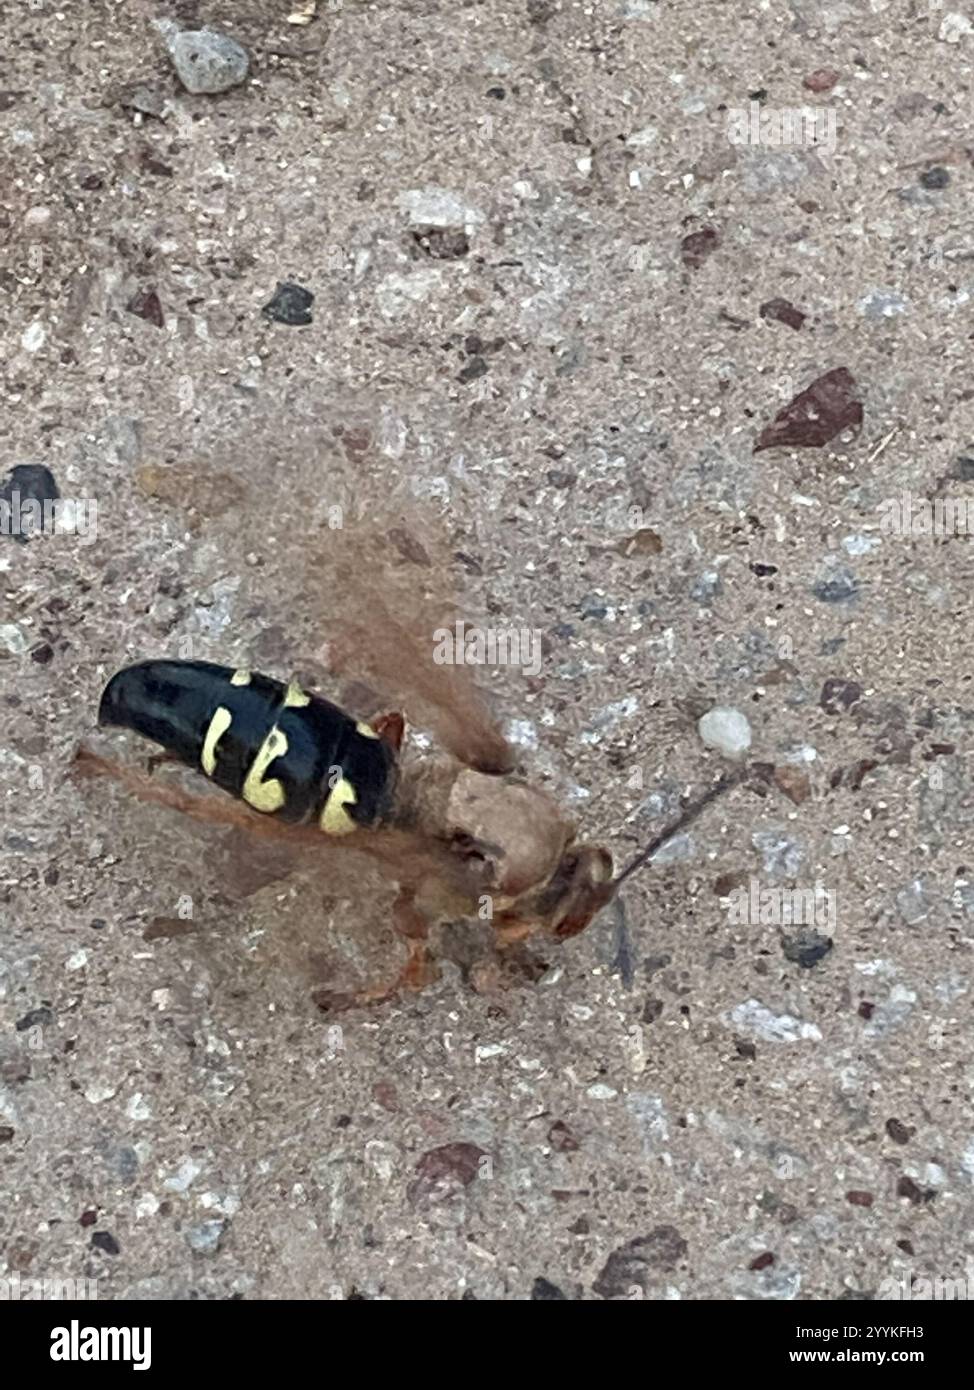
(439, 207)
(954, 27)
(12, 639)
(137, 1108)
(99, 1091)
(756, 1019)
(187, 1171)
(727, 730)
(33, 337)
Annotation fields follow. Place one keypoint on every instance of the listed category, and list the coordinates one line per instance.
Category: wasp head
(577, 891)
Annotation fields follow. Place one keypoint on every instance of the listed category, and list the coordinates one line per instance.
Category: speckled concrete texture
(538, 256)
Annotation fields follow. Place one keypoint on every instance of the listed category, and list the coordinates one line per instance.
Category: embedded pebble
(646, 135)
(125, 1161)
(783, 311)
(634, 1265)
(33, 337)
(660, 803)
(801, 753)
(950, 988)
(858, 544)
(443, 1172)
(883, 304)
(781, 854)
(145, 304)
(706, 587)
(913, 902)
(290, 304)
(214, 610)
(727, 730)
(149, 101)
(543, 1291)
(208, 62)
(837, 584)
(806, 947)
(962, 896)
(954, 27)
(759, 1021)
(768, 171)
(936, 178)
(782, 1285)
(396, 291)
(438, 207)
(205, 1238)
(679, 850)
(27, 483)
(137, 1108)
(821, 80)
(611, 714)
(186, 1173)
(12, 639)
(522, 732)
(650, 1114)
(794, 783)
(891, 1014)
(825, 409)
(839, 694)
(99, 1091)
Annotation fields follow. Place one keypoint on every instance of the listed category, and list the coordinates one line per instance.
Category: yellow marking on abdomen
(266, 796)
(295, 697)
(219, 724)
(366, 730)
(334, 819)
(241, 677)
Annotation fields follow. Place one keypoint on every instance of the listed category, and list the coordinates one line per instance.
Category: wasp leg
(419, 970)
(204, 808)
(514, 962)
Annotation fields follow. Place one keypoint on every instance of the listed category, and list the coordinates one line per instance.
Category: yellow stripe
(334, 819)
(295, 696)
(219, 724)
(366, 730)
(241, 677)
(266, 796)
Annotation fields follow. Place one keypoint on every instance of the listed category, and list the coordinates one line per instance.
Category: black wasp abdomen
(283, 751)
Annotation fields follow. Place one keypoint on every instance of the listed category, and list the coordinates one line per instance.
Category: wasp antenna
(686, 817)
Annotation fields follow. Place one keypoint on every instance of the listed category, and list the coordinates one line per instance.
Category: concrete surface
(679, 1108)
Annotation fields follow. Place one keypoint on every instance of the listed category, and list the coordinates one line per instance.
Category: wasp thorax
(518, 830)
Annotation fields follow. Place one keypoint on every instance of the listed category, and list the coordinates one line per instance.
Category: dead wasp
(461, 840)
(446, 819)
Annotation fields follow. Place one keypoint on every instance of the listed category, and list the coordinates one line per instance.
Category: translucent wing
(337, 588)
(391, 589)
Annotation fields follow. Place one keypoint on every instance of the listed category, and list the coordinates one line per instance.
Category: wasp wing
(359, 598)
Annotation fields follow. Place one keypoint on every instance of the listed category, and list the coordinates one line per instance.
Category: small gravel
(727, 730)
(208, 62)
